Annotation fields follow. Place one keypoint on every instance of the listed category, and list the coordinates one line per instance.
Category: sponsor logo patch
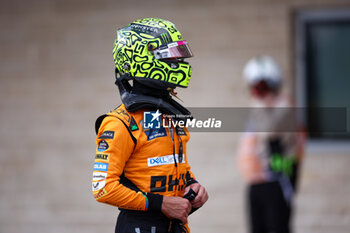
(99, 176)
(102, 146)
(104, 157)
(155, 133)
(107, 135)
(164, 160)
(180, 131)
(98, 185)
(101, 167)
(133, 125)
(100, 194)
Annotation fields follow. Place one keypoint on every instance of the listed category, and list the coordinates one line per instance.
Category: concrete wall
(56, 77)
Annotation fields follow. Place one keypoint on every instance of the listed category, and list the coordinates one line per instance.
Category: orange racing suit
(135, 167)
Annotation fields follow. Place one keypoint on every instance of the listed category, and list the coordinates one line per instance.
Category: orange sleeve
(114, 146)
(248, 162)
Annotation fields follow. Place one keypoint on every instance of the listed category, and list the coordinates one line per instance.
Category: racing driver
(140, 166)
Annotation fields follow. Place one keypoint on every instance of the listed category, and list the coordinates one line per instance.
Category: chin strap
(136, 101)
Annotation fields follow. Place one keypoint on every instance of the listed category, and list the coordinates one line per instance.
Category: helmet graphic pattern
(132, 56)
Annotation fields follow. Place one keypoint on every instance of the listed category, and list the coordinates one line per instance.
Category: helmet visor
(177, 49)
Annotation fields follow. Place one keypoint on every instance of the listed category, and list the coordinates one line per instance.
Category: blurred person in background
(144, 170)
(270, 151)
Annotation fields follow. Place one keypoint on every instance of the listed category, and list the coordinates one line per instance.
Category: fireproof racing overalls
(135, 167)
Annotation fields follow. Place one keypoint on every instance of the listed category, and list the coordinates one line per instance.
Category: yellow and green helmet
(152, 51)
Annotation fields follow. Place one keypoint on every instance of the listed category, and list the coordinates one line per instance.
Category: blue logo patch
(101, 167)
(155, 133)
(151, 120)
(180, 131)
(107, 135)
(102, 146)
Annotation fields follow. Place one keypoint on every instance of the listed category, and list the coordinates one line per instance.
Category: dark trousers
(141, 222)
(268, 210)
